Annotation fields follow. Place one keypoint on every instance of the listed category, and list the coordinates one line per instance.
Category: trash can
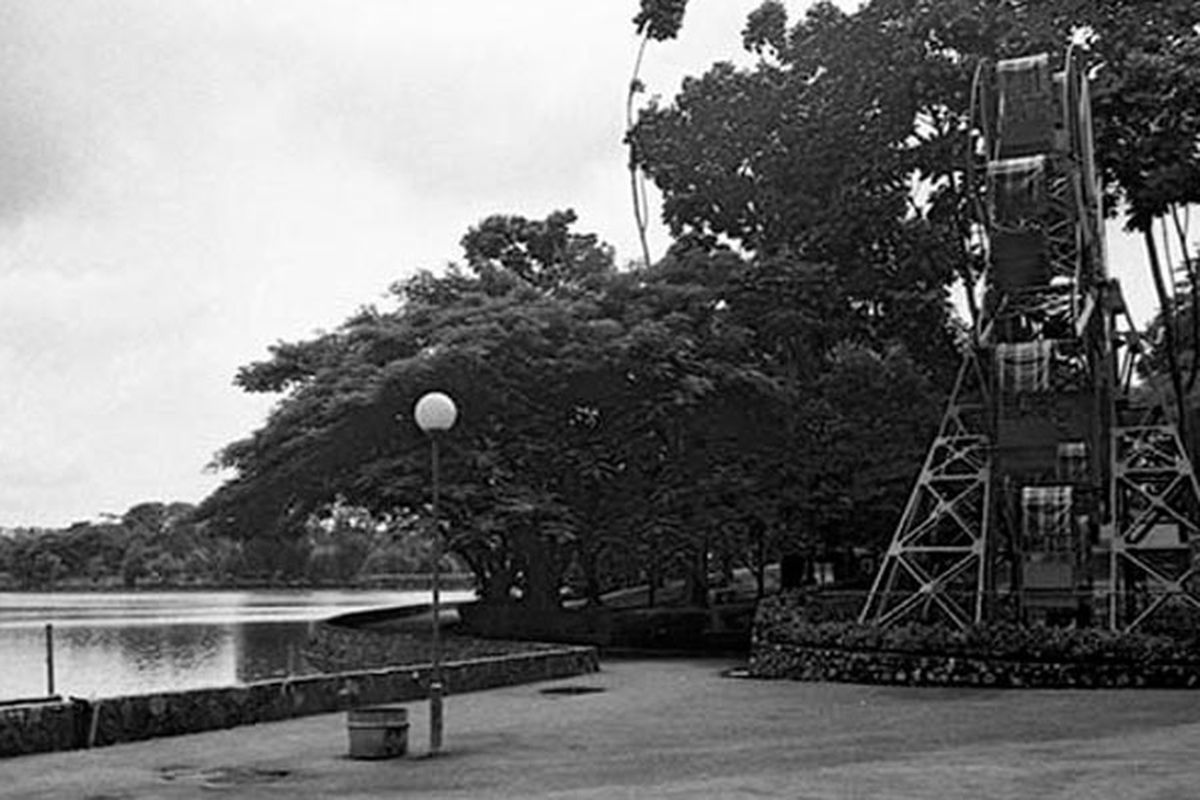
(378, 731)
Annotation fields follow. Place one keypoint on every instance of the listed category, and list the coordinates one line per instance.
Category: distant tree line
(157, 544)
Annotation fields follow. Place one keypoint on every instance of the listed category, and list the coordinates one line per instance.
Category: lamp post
(435, 414)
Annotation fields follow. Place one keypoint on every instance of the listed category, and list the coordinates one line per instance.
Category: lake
(114, 643)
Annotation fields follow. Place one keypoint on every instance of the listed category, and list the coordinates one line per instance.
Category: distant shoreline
(415, 582)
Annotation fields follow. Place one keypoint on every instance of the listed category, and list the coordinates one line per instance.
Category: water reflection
(109, 660)
(268, 650)
(111, 644)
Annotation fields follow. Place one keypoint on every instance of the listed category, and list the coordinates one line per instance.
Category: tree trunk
(588, 561)
(541, 586)
(637, 187)
(652, 581)
(1168, 317)
(760, 560)
(697, 589)
(1189, 266)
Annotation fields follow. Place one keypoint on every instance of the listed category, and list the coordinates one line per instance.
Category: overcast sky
(184, 183)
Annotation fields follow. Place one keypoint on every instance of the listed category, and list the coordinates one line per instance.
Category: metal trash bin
(378, 731)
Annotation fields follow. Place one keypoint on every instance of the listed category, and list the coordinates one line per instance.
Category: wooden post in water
(49, 660)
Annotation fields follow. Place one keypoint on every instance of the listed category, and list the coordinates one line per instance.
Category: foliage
(809, 157)
(784, 621)
(816, 148)
(1148, 141)
(845, 145)
(157, 544)
(544, 254)
(152, 542)
(615, 427)
(660, 19)
(1148, 77)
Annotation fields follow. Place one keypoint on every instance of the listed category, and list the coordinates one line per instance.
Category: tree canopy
(615, 426)
(771, 382)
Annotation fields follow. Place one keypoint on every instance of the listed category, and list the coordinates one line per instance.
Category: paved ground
(678, 729)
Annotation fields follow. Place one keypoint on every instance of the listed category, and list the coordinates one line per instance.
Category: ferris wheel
(1057, 490)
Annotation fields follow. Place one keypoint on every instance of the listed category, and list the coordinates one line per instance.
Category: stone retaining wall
(794, 637)
(800, 662)
(336, 645)
(76, 723)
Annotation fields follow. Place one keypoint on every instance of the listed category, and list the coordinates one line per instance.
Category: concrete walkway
(678, 729)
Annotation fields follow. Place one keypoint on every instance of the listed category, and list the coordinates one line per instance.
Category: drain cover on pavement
(570, 690)
(224, 777)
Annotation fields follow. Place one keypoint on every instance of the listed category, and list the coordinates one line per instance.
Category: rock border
(799, 636)
(77, 723)
(808, 663)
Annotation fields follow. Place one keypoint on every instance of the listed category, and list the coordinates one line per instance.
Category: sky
(182, 184)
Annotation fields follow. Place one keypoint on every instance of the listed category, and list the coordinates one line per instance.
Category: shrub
(788, 620)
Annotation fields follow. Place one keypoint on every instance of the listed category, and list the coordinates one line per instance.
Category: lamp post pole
(436, 688)
(435, 414)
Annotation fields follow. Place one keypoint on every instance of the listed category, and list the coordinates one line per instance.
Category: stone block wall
(800, 662)
(37, 728)
(788, 643)
(336, 646)
(76, 723)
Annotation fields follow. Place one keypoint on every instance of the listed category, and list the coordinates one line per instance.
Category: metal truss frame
(936, 566)
(1060, 221)
(1152, 484)
(941, 561)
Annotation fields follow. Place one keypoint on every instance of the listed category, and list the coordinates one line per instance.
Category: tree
(45, 569)
(134, 566)
(658, 20)
(544, 254)
(495, 338)
(595, 403)
(884, 411)
(1149, 141)
(809, 158)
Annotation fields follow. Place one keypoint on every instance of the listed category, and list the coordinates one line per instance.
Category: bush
(789, 621)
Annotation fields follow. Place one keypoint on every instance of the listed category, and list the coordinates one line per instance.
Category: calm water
(107, 644)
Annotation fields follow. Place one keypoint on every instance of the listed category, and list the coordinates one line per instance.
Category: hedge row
(791, 641)
(787, 619)
(906, 669)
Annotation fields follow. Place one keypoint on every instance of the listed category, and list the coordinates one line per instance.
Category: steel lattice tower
(1057, 489)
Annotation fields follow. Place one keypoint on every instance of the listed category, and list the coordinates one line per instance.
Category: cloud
(35, 158)
(446, 113)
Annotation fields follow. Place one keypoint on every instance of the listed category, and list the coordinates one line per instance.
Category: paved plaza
(680, 729)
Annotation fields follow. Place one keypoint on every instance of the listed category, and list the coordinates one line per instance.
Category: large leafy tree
(622, 426)
(574, 381)
(807, 160)
(616, 427)
(1149, 143)
(815, 151)
(837, 162)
